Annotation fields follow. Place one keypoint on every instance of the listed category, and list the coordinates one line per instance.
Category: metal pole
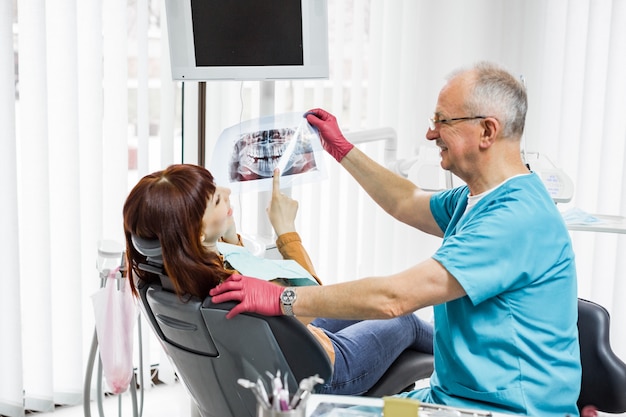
(202, 123)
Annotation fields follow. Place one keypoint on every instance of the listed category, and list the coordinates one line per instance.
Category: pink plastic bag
(116, 314)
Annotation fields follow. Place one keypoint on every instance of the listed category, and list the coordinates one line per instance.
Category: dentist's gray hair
(495, 92)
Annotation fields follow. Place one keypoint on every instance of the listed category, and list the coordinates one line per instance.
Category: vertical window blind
(87, 107)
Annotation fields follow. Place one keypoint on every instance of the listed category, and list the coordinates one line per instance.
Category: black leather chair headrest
(150, 248)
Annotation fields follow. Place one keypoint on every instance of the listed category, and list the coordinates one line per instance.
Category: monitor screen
(247, 39)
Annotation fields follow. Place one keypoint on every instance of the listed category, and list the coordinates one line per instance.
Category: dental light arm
(373, 135)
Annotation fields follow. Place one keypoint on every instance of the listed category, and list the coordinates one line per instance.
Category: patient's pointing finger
(276, 181)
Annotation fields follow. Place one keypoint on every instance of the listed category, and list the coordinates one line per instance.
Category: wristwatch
(287, 298)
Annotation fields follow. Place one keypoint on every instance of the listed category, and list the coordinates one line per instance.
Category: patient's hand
(282, 209)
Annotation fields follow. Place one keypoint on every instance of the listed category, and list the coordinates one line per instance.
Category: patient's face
(218, 216)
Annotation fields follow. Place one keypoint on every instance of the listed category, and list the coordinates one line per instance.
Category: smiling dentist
(503, 282)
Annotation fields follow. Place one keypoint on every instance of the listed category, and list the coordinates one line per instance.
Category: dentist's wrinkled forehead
(453, 94)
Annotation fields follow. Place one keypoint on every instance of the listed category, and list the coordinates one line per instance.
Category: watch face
(288, 296)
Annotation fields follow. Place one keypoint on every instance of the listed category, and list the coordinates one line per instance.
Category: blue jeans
(364, 350)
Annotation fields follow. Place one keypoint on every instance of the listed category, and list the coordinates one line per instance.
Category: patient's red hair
(169, 205)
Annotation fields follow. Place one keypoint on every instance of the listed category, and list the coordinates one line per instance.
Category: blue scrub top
(510, 344)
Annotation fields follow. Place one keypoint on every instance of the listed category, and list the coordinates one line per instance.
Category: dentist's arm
(427, 283)
(396, 195)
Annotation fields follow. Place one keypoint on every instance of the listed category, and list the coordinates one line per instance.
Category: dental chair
(603, 373)
(210, 353)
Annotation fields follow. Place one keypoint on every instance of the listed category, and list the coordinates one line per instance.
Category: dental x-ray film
(247, 153)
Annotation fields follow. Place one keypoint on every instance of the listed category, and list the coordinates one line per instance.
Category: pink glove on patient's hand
(332, 139)
(254, 296)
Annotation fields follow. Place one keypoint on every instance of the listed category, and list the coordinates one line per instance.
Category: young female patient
(183, 208)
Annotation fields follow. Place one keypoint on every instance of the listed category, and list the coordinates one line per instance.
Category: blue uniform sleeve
(444, 205)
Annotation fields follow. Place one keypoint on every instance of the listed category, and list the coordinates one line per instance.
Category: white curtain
(86, 108)
(78, 129)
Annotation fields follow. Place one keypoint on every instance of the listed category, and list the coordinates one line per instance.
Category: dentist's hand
(282, 209)
(333, 140)
(254, 296)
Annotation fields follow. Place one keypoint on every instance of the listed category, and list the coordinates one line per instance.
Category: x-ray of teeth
(246, 154)
(256, 154)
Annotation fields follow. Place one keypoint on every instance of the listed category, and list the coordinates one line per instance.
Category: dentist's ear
(491, 129)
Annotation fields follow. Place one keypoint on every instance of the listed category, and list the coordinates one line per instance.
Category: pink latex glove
(254, 296)
(333, 140)
(589, 411)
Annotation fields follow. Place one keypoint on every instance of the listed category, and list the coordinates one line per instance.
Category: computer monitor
(247, 39)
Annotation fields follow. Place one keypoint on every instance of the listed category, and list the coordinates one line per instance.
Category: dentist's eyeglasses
(434, 121)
